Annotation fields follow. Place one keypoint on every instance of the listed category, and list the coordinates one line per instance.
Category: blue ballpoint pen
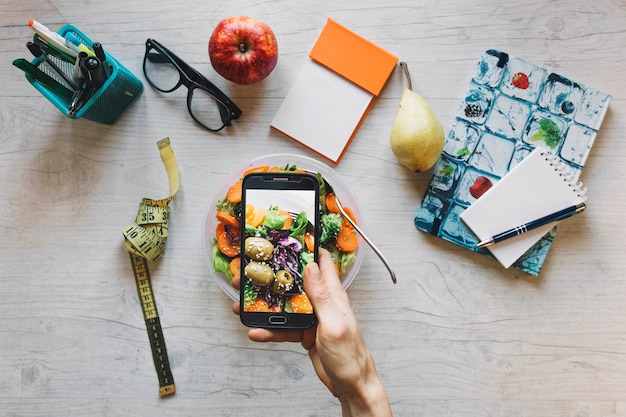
(559, 215)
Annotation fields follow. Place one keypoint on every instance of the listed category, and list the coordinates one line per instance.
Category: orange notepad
(334, 91)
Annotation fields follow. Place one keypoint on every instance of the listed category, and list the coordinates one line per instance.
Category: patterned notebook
(511, 107)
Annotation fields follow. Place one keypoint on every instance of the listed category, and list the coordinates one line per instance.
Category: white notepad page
(322, 110)
(534, 188)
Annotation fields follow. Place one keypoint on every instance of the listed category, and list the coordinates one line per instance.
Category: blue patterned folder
(511, 107)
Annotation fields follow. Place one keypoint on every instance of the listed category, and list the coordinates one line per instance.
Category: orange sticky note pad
(353, 57)
(334, 91)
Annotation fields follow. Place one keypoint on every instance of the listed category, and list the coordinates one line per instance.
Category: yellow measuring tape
(145, 240)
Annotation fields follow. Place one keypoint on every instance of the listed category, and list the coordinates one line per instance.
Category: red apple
(243, 50)
(480, 186)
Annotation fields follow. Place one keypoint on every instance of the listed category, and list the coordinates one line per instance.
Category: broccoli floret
(306, 257)
(331, 225)
(549, 132)
(343, 260)
(237, 210)
(249, 295)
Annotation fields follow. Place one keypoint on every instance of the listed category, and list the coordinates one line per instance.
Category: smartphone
(279, 237)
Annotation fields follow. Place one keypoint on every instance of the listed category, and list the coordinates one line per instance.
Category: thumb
(323, 287)
(318, 292)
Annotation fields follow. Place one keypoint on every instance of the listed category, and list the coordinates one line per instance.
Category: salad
(277, 283)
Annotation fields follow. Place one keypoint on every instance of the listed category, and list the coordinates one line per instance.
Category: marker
(559, 215)
(99, 51)
(37, 52)
(80, 46)
(77, 75)
(51, 49)
(52, 38)
(93, 72)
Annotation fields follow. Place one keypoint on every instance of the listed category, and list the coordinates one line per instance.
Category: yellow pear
(417, 137)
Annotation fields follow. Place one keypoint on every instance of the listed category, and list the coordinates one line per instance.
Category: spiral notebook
(539, 185)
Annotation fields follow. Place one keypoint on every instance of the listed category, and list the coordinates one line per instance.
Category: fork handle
(369, 242)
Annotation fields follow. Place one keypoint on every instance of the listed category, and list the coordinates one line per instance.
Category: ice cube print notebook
(537, 186)
(511, 106)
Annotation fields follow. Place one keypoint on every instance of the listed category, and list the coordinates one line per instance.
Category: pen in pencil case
(53, 38)
(94, 72)
(99, 51)
(38, 52)
(74, 40)
(559, 215)
(51, 49)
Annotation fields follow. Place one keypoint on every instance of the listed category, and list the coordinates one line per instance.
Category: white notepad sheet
(322, 110)
(532, 189)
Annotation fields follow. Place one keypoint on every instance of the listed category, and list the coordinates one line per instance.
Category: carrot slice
(234, 193)
(235, 264)
(257, 217)
(309, 242)
(260, 305)
(275, 169)
(227, 246)
(288, 219)
(347, 240)
(300, 304)
(331, 204)
(350, 214)
(226, 218)
(262, 168)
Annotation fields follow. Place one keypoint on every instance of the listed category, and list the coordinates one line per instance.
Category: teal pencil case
(107, 103)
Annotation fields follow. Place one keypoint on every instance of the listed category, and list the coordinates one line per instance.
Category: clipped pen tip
(485, 243)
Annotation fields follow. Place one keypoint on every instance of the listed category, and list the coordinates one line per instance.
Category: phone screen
(281, 213)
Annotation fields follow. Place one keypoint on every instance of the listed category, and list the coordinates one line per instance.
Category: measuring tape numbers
(145, 241)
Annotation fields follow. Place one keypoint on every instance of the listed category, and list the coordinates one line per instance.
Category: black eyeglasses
(206, 103)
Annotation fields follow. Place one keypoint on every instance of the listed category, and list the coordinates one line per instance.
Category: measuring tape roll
(145, 240)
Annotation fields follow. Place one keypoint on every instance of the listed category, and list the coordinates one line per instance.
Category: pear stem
(405, 68)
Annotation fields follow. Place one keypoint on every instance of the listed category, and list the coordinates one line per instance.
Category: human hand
(336, 346)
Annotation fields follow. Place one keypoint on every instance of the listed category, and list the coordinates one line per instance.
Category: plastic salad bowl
(278, 160)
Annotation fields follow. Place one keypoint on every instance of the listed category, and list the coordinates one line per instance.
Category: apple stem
(242, 47)
(405, 67)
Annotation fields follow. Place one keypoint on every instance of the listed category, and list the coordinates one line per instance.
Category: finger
(235, 282)
(266, 335)
(329, 272)
(318, 292)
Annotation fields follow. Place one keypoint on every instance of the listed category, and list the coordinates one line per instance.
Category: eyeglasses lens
(205, 109)
(160, 71)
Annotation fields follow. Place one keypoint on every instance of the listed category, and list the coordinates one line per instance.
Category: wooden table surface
(457, 336)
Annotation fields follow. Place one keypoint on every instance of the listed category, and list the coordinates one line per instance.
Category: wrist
(369, 400)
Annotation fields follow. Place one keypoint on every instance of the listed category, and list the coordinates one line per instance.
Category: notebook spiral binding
(566, 172)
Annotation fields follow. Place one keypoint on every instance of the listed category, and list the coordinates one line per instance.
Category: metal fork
(330, 190)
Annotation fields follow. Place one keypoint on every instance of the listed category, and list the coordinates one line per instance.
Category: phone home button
(277, 320)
